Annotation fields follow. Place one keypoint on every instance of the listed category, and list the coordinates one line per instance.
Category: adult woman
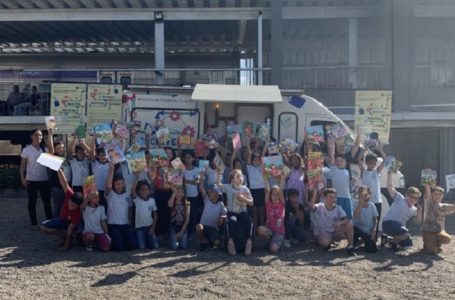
(34, 177)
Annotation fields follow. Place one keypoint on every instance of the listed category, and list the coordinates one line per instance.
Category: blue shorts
(393, 228)
(56, 223)
(345, 203)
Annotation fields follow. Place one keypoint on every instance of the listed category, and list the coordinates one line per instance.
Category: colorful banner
(68, 103)
(374, 108)
(104, 104)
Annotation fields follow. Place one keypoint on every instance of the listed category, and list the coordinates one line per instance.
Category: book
(315, 134)
(392, 164)
(429, 177)
(450, 182)
(315, 163)
(184, 139)
(263, 131)
(236, 142)
(121, 130)
(51, 161)
(178, 164)
(203, 165)
(273, 165)
(141, 139)
(163, 135)
(289, 144)
(115, 153)
(234, 129)
(104, 133)
(136, 161)
(135, 148)
(273, 148)
(337, 131)
(89, 185)
(51, 122)
(199, 147)
(80, 132)
(219, 163)
(158, 157)
(174, 177)
(248, 128)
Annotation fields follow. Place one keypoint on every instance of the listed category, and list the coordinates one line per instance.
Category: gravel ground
(32, 267)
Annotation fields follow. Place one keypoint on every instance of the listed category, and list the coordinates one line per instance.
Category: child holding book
(80, 165)
(274, 229)
(294, 219)
(434, 234)
(145, 216)
(365, 220)
(191, 179)
(118, 212)
(238, 198)
(180, 218)
(95, 226)
(70, 216)
(213, 217)
(100, 166)
(297, 176)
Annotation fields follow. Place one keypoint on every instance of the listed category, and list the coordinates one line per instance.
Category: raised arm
(390, 188)
(133, 187)
(72, 148)
(63, 181)
(50, 141)
(201, 185)
(92, 153)
(356, 145)
(312, 202)
(86, 148)
(109, 178)
(331, 149)
(383, 156)
(233, 157)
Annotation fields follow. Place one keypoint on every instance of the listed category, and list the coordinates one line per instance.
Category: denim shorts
(393, 228)
(56, 223)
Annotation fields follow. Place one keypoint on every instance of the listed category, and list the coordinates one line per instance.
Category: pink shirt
(275, 216)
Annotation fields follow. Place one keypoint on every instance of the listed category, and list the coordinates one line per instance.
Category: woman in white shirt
(34, 177)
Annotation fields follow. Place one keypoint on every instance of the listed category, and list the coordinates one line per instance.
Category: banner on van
(68, 103)
(374, 108)
(104, 103)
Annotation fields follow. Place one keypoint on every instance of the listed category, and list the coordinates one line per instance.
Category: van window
(288, 126)
(323, 123)
(106, 79)
(125, 80)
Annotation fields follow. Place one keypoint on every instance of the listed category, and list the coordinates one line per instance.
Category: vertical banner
(104, 104)
(68, 103)
(373, 109)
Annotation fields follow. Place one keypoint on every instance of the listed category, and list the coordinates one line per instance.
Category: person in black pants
(34, 177)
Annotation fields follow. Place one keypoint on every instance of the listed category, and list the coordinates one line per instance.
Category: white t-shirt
(92, 219)
(144, 209)
(371, 179)
(365, 221)
(117, 212)
(340, 181)
(79, 171)
(34, 171)
(212, 212)
(191, 189)
(255, 177)
(100, 171)
(326, 218)
(400, 210)
(212, 175)
(233, 205)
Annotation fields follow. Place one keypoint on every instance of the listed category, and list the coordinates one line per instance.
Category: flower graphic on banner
(189, 130)
(174, 116)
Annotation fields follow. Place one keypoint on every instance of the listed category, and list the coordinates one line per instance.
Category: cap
(215, 188)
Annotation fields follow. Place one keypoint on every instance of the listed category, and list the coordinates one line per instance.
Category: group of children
(231, 208)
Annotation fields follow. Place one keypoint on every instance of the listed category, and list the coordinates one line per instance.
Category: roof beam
(328, 12)
(25, 3)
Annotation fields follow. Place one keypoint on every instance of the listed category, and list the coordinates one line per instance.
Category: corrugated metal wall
(420, 148)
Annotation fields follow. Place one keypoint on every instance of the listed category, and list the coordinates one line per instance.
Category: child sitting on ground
(274, 229)
(332, 223)
(95, 226)
(434, 234)
(70, 215)
(401, 211)
(180, 218)
(294, 219)
(145, 216)
(365, 220)
(238, 198)
(118, 212)
(212, 218)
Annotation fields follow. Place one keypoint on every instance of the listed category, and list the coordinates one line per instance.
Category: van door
(257, 113)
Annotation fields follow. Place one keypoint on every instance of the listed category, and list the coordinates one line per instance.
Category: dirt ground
(32, 267)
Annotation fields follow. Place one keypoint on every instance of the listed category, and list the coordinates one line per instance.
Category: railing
(434, 76)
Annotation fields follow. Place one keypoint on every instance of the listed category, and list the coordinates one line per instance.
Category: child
(100, 168)
(365, 220)
(238, 198)
(191, 179)
(401, 211)
(340, 181)
(80, 166)
(294, 218)
(180, 218)
(95, 226)
(332, 222)
(434, 234)
(118, 212)
(70, 215)
(297, 176)
(212, 218)
(274, 228)
(371, 178)
(257, 188)
(146, 215)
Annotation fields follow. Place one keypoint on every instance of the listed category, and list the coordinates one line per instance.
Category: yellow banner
(373, 109)
(104, 104)
(68, 103)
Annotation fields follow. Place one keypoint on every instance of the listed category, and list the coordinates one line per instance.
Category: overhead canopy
(237, 93)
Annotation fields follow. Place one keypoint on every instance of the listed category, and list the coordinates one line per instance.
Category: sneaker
(351, 251)
(248, 247)
(287, 244)
(202, 247)
(231, 248)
